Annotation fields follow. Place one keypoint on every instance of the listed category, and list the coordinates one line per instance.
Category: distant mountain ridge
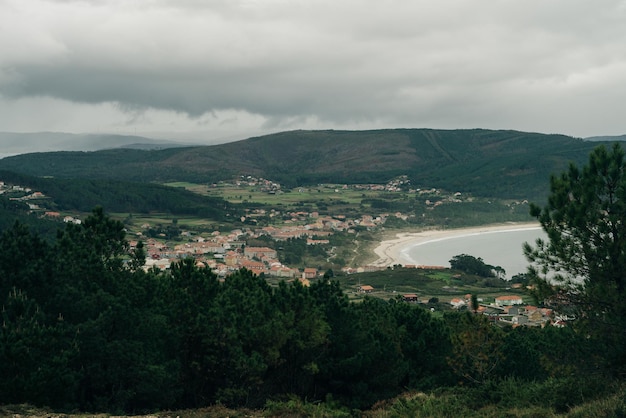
(607, 138)
(484, 162)
(15, 143)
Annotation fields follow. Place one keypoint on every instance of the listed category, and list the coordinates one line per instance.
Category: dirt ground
(28, 411)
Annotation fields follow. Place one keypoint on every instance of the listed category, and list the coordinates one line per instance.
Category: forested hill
(122, 196)
(483, 162)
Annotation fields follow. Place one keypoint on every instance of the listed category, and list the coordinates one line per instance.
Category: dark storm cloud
(534, 65)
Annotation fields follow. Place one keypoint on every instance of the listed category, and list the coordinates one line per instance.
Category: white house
(508, 300)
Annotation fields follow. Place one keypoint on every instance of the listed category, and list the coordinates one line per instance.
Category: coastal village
(225, 253)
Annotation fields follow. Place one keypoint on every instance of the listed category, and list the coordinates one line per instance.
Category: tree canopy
(472, 265)
(84, 327)
(580, 268)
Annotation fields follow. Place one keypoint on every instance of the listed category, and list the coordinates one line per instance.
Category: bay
(497, 248)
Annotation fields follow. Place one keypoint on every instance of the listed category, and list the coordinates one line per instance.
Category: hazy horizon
(15, 143)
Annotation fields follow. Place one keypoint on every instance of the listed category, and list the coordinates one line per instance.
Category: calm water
(498, 248)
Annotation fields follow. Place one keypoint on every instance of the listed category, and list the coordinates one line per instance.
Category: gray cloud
(544, 66)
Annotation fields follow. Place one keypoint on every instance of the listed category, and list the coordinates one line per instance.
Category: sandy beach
(388, 252)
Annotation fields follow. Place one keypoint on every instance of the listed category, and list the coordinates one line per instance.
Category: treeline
(12, 211)
(84, 327)
(120, 196)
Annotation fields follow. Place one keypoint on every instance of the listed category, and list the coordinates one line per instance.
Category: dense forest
(84, 327)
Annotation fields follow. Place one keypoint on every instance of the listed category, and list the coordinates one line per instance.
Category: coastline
(389, 251)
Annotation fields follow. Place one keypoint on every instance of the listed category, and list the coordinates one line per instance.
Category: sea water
(496, 248)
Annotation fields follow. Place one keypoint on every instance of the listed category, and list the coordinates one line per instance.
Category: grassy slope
(523, 400)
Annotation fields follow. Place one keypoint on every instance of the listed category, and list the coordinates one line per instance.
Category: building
(365, 288)
(457, 303)
(259, 252)
(309, 273)
(508, 300)
(410, 297)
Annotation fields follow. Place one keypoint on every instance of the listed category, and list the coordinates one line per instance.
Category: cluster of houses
(226, 253)
(22, 194)
(505, 310)
(511, 310)
(401, 183)
(264, 185)
(224, 256)
(5, 188)
(34, 201)
(398, 184)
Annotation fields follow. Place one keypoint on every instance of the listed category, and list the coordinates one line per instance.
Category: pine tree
(579, 269)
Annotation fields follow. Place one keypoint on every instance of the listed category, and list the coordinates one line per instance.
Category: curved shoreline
(390, 252)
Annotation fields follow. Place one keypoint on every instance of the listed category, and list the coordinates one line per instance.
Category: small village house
(309, 273)
(457, 303)
(508, 300)
(410, 297)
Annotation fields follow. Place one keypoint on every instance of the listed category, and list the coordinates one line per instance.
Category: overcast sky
(236, 68)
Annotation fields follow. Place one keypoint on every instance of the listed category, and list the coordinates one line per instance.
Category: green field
(299, 196)
(426, 284)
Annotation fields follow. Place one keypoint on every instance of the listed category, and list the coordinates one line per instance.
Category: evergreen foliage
(85, 328)
(579, 269)
(472, 265)
(476, 347)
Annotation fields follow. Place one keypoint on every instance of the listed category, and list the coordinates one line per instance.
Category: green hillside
(122, 196)
(483, 162)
